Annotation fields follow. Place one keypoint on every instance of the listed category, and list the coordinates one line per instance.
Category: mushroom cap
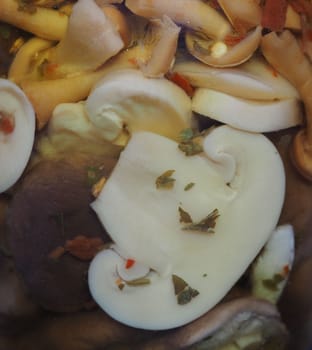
(49, 208)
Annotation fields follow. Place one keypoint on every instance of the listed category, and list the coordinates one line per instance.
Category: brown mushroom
(50, 208)
(296, 67)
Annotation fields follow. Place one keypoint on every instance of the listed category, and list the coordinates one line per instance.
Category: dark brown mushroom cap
(51, 207)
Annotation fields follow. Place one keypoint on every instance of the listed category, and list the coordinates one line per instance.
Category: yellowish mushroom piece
(194, 14)
(244, 15)
(218, 53)
(295, 67)
(43, 22)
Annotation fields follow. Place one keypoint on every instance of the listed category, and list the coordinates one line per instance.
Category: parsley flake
(189, 186)
(183, 291)
(185, 216)
(205, 225)
(272, 283)
(165, 180)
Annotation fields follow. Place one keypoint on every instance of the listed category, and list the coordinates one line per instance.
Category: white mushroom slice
(194, 14)
(145, 222)
(271, 269)
(91, 39)
(249, 115)
(128, 98)
(257, 80)
(17, 131)
(218, 53)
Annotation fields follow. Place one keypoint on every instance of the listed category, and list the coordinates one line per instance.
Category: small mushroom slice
(271, 269)
(256, 78)
(182, 233)
(245, 114)
(194, 14)
(17, 133)
(218, 53)
(243, 14)
(296, 67)
(244, 323)
(126, 98)
(45, 23)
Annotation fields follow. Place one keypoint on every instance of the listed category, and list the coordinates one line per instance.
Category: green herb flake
(189, 186)
(205, 225)
(5, 31)
(204, 275)
(138, 282)
(185, 216)
(183, 291)
(272, 283)
(190, 148)
(186, 135)
(165, 180)
(94, 174)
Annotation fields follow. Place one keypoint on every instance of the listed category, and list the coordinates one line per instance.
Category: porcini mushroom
(194, 14)
(298, 70)
(17, 133)
(180, 234)
(126, 98)
(218, 53)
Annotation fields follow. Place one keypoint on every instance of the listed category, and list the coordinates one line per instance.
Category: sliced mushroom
(244, 114)
(256, 78)
(244, 15)
(271, 269)
(17, 133)
(298, 70)
(194, 14)
(180, 233)
(218, 53)
(45, 23)
(164, 37)
(126, 98)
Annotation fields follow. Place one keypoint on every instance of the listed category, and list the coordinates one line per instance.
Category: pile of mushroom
(126, 90)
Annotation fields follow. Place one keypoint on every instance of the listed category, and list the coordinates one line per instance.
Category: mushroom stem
(44, 22)
(194, 14)
(295, 67)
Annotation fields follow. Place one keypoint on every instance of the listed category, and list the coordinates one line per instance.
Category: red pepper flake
(274, 15)
(84, 248)
(6, 123)
(182, 82)
(133, 61)
(286, 270)
(129, 263)
(233, 39)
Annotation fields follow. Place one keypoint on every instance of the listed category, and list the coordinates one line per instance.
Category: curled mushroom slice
(91, 39)
(128, 99)
(165, 33)
(246, 323)
(218, 53)
(17, 132)
(178, 232)
(270, 271)
(243, 14)
(45, 23)
(298, 70)
(256, 78)
(194, 14)
(244, 114)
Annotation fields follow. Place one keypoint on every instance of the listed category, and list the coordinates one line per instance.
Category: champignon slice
(219, 53)
(17, 132)
(60, 193)
(243, 14)
(256, 78)
(245, 114)
(180, 233)
(164, 36)
(239, 324)
(298, 70)
(126, 98)
(271, 269)
(45, 23)
(194, 14)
